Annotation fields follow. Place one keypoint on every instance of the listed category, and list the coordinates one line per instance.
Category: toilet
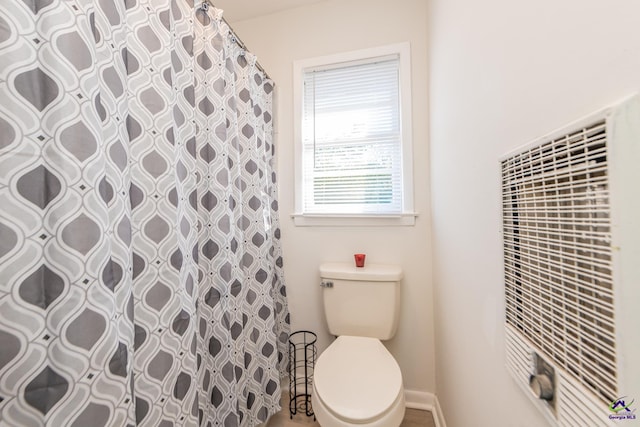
(356, 381)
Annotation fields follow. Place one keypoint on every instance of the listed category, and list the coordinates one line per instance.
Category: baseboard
(438, 416)
(426, 402)
(413, 399)
(419, 400)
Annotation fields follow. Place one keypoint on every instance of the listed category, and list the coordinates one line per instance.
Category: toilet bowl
(357, 383)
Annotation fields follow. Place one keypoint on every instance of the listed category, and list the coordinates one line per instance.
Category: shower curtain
(140, 265)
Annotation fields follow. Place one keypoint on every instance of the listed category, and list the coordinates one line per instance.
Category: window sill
(334, 220)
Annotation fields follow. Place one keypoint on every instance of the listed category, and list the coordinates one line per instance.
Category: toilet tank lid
(368, 273)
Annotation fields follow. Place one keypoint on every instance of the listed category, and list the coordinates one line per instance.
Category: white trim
(407, 217)
(419, 400)
(427, 402)
(438, 415)
(624, 158)
(330, 220)
(413, 399)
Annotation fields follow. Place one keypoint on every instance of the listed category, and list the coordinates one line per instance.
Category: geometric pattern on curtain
(140, 264)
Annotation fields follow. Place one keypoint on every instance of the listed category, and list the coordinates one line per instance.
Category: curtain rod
(204, 6)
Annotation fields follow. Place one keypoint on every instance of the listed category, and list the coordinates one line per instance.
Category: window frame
(407, 215)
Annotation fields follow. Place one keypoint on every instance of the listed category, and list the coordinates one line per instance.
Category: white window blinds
(351, 138)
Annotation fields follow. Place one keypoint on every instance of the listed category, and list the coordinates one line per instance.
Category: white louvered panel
(519, 360)
(578, 408)
(575, 406)
(521, 365)
(557, 249)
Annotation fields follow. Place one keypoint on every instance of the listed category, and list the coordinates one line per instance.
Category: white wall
(503, 73)
(325, 28)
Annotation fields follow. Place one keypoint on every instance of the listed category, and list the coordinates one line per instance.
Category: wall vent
(561, 262)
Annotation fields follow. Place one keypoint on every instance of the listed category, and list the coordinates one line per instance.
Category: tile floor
(412, 418)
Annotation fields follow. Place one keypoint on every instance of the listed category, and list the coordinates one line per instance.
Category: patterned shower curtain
(140, 265)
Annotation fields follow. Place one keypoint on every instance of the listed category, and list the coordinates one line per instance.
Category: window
(353, 129)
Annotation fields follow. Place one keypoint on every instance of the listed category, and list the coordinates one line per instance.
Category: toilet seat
(358, 381)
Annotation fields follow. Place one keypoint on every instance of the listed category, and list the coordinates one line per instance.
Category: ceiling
(239, 10)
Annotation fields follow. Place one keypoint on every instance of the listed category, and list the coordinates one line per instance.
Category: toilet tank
(362, 301)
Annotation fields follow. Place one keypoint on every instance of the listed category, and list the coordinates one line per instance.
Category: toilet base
(326, 418)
